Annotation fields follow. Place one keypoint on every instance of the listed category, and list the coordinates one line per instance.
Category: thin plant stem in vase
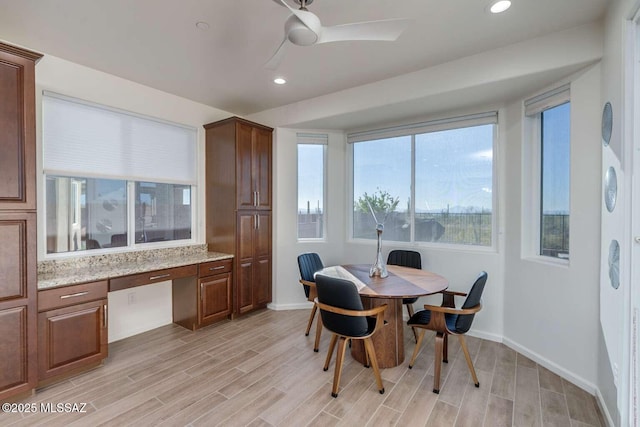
(379, 267)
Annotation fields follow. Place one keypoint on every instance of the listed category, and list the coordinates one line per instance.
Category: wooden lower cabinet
(253, 283)
(14, 352)
(18, 310)
(72, 329)
(205, 300)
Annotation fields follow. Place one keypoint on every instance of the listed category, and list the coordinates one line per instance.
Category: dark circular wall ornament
(607, 123)
(614, 264)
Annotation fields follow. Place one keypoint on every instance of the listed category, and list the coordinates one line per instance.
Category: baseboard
(485, 335)
(603, 409)
(553, 367)
(297, 306)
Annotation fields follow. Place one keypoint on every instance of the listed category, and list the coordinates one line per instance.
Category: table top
(402, 282)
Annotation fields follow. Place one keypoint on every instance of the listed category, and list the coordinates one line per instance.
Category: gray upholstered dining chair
(309, 264)
(447, 320)
(344, 316)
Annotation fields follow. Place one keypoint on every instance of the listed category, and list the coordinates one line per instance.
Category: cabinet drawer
(70, 295)
(214, 267)
(152, 277)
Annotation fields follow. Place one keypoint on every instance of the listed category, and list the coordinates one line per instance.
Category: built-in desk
(72, 300)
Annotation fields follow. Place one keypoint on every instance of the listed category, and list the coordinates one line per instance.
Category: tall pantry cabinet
(18, 282)
(238, 205)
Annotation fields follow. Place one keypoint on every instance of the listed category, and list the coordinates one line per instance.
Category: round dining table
(402, 282)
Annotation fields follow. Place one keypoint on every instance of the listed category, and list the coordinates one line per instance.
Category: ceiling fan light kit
(303, 28)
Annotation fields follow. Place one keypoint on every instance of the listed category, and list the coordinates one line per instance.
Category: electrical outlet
(131, 298)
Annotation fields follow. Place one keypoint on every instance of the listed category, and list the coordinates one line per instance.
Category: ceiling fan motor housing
(299, 34)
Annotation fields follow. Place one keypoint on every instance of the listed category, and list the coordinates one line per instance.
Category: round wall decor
(610, 189)
(614, 264)
(607, 123)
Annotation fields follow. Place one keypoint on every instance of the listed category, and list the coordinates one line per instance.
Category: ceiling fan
(303, 28)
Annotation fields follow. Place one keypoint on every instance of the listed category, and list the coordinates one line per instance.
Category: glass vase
(379, 268)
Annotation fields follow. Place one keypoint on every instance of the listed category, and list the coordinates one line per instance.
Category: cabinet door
(215, 298)
(14, 352)
(246, 195)
(18, 335)
(71, 337)
(17, 132)
(262, 256)
(262, 168)
(244, 266)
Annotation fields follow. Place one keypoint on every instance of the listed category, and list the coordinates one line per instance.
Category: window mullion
(412, 191)
(131, 213)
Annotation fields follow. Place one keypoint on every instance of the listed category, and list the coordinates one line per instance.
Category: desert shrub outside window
(431, 182)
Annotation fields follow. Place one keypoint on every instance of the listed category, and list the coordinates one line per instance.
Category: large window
(114, 179)
(549, 118)
(434, 183)
(312, 153)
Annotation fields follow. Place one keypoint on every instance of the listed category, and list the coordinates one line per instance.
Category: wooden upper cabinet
(253, 166)
(17, 128)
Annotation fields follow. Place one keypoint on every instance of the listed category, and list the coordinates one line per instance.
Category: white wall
(287, 291)
(551, 309)
(57, 75)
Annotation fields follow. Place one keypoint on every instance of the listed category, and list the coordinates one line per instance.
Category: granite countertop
(102, 267)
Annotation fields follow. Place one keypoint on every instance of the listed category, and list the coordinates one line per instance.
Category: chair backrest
(463, 322)
(405, 258)
(343, 294)
(309, 264)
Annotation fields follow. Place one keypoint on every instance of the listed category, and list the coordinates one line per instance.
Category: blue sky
(453, 168)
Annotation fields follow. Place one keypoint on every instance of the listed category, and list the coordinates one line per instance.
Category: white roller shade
(88, 140)
(312, 138)
(490, 117)
(547, 100)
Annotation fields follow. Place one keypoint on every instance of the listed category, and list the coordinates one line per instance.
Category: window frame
(314, 139)
(531, 219)
(413, 129)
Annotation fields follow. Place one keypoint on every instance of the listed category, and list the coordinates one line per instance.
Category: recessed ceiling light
(500, 6)
(279, 81)
(201, 25)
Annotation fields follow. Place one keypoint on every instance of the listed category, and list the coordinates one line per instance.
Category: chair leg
(316, 345)
(370, 350)
(311, 316)
(445, 348)
(411, 313)
(437, 367)
(463, 344)
(416, 350)
(332, 345)
(342, 347)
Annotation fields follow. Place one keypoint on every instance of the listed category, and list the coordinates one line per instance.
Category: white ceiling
(156, 42)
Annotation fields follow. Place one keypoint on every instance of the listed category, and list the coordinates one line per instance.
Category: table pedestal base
(388, 341)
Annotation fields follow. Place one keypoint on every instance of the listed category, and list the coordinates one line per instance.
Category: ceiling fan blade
(276, 58)
(385, 30)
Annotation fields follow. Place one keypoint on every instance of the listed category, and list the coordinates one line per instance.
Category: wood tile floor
(260, 370)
